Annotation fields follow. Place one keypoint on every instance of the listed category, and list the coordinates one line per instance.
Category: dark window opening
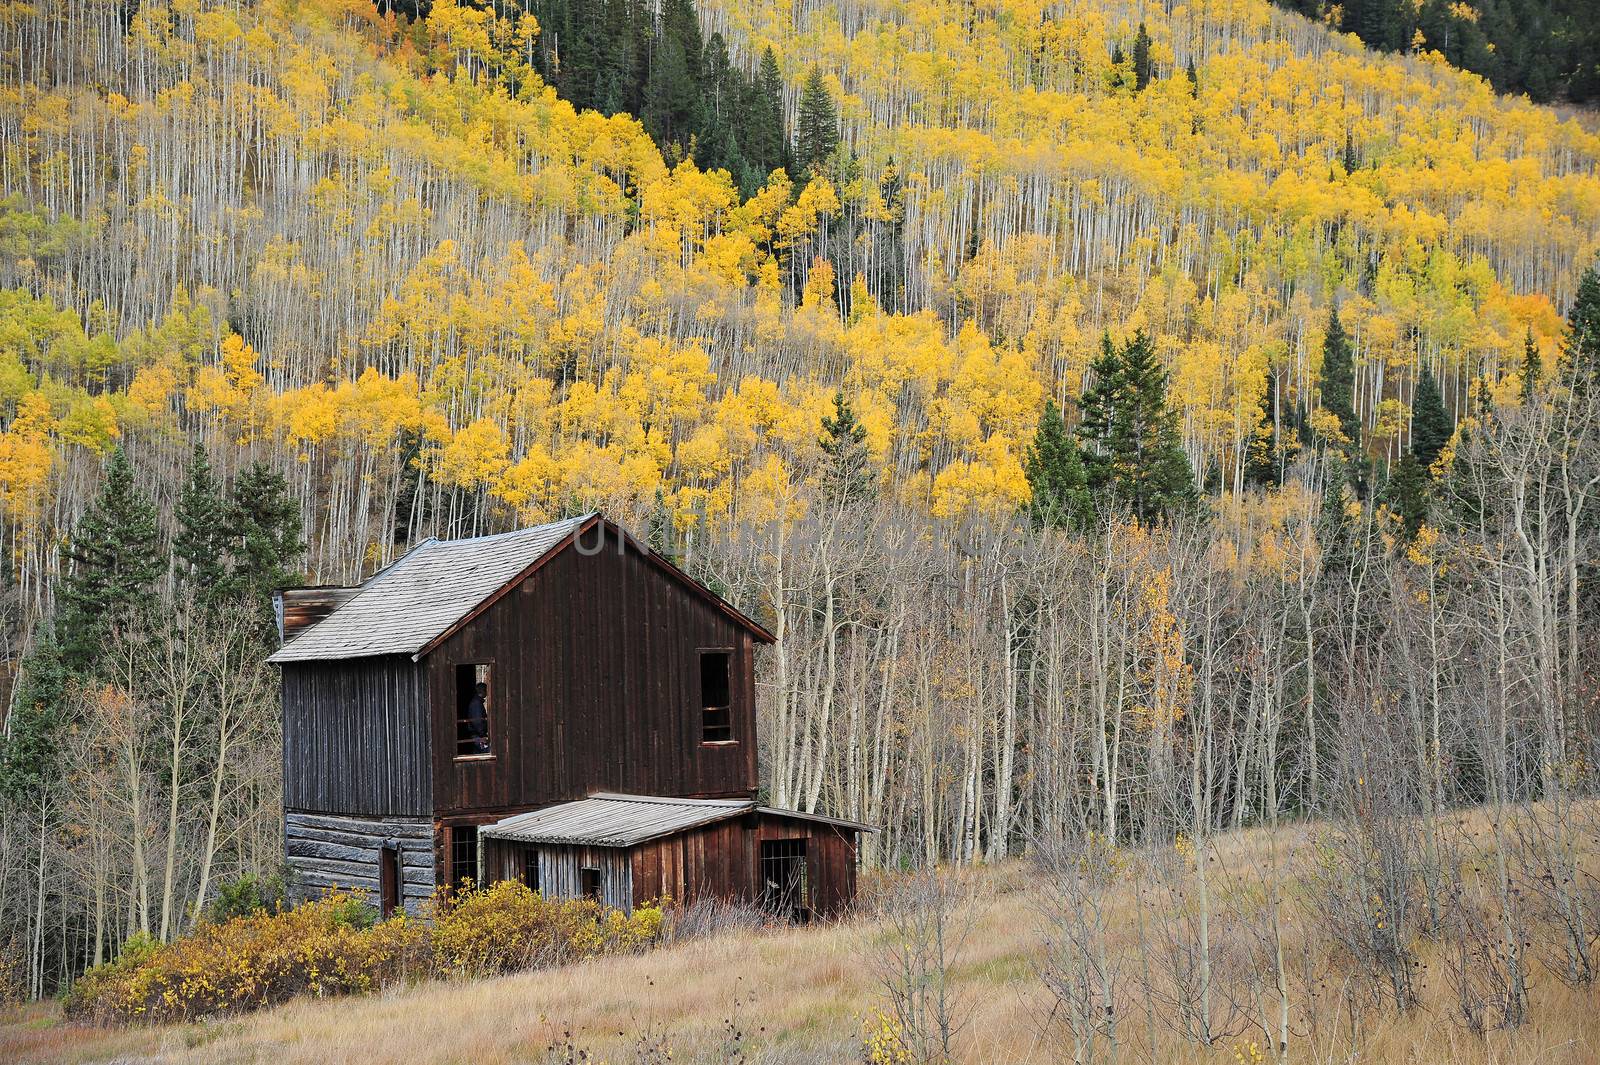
(530, 869)
(463, 854)
(716, 717)
(472, 710)
(590, 885)
(784, 891)
(389, 880)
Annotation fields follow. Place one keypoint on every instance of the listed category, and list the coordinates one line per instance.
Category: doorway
(389, 880)
(785, 891)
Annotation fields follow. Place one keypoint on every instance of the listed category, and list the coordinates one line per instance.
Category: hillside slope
(814, 996)
(339, 241)
(380, 260)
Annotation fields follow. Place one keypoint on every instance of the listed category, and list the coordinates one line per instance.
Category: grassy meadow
(810, 994)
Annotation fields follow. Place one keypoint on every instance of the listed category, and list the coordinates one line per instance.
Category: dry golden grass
(799, 996)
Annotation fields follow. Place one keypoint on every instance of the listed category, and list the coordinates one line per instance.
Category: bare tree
(927, 918)
(1078, 884)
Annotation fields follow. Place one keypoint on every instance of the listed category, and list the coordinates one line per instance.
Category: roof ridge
(525, 530)
(675, 800)
(465, 572)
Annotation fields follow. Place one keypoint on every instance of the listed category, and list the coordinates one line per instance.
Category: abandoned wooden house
(559, 705)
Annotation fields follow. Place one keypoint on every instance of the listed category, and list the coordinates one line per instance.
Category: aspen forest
(1136, 422)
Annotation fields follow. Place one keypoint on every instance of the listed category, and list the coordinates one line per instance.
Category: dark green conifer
(200, 543)
(1336, 383)
(763, 141)
(29, 754)
(1141, 60)
(717, 146)
(1532, 367)
(1580, 352)
(1352, 159)
(1431, 424)
(817, 130)
(115, 557)
(846, 469)
(265, 531)
(1060, 488)
(1132, 452)
(673, 111)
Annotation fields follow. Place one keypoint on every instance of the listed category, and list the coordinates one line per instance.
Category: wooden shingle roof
(403, 609)
(409, 608)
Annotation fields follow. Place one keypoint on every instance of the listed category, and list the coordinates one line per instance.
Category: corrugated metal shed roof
(607, 820)
(417, 599)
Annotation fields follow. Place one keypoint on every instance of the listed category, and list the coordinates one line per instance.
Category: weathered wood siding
(559, 867)
(326, 852)
(595, 687)
(724, 861)
(300, 608)
(356, 738)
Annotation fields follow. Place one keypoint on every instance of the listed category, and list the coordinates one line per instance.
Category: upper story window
(473, 706)
(716, 688)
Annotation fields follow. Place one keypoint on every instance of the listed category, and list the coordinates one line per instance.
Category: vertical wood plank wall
(356, 738)
(724, 861)
(594, 687)
(717, 861)
(559, 867)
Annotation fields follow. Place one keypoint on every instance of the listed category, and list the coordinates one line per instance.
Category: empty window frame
(591, 885)
(473, 703)
(784, 888)
(463, 854)
(716, 691)
(530, 869)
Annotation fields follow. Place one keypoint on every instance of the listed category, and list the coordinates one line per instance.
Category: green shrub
(247, 895)
(333, 946)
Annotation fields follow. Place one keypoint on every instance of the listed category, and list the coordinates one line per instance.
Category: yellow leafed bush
(506, 927)
(330, 946)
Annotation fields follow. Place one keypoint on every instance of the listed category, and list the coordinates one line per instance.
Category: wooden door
(389, 880)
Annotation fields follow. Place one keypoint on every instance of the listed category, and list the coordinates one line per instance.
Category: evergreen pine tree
(265, 531)
(1580, 352)
(763, 141)
(1409, 490)
(1264, 464)
(817, 131)
(673, 109)
(846, 472)
(1194, 79)
(1532, 367)
(1141, 60)
(1055, 473)
(1132, 452)
(200, 543)
(583, 54)
(1337, 383)
(29, 755)
(721, 97)
(1352, 160)
(1406, 494)
(115, 554)
(1430, 421)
